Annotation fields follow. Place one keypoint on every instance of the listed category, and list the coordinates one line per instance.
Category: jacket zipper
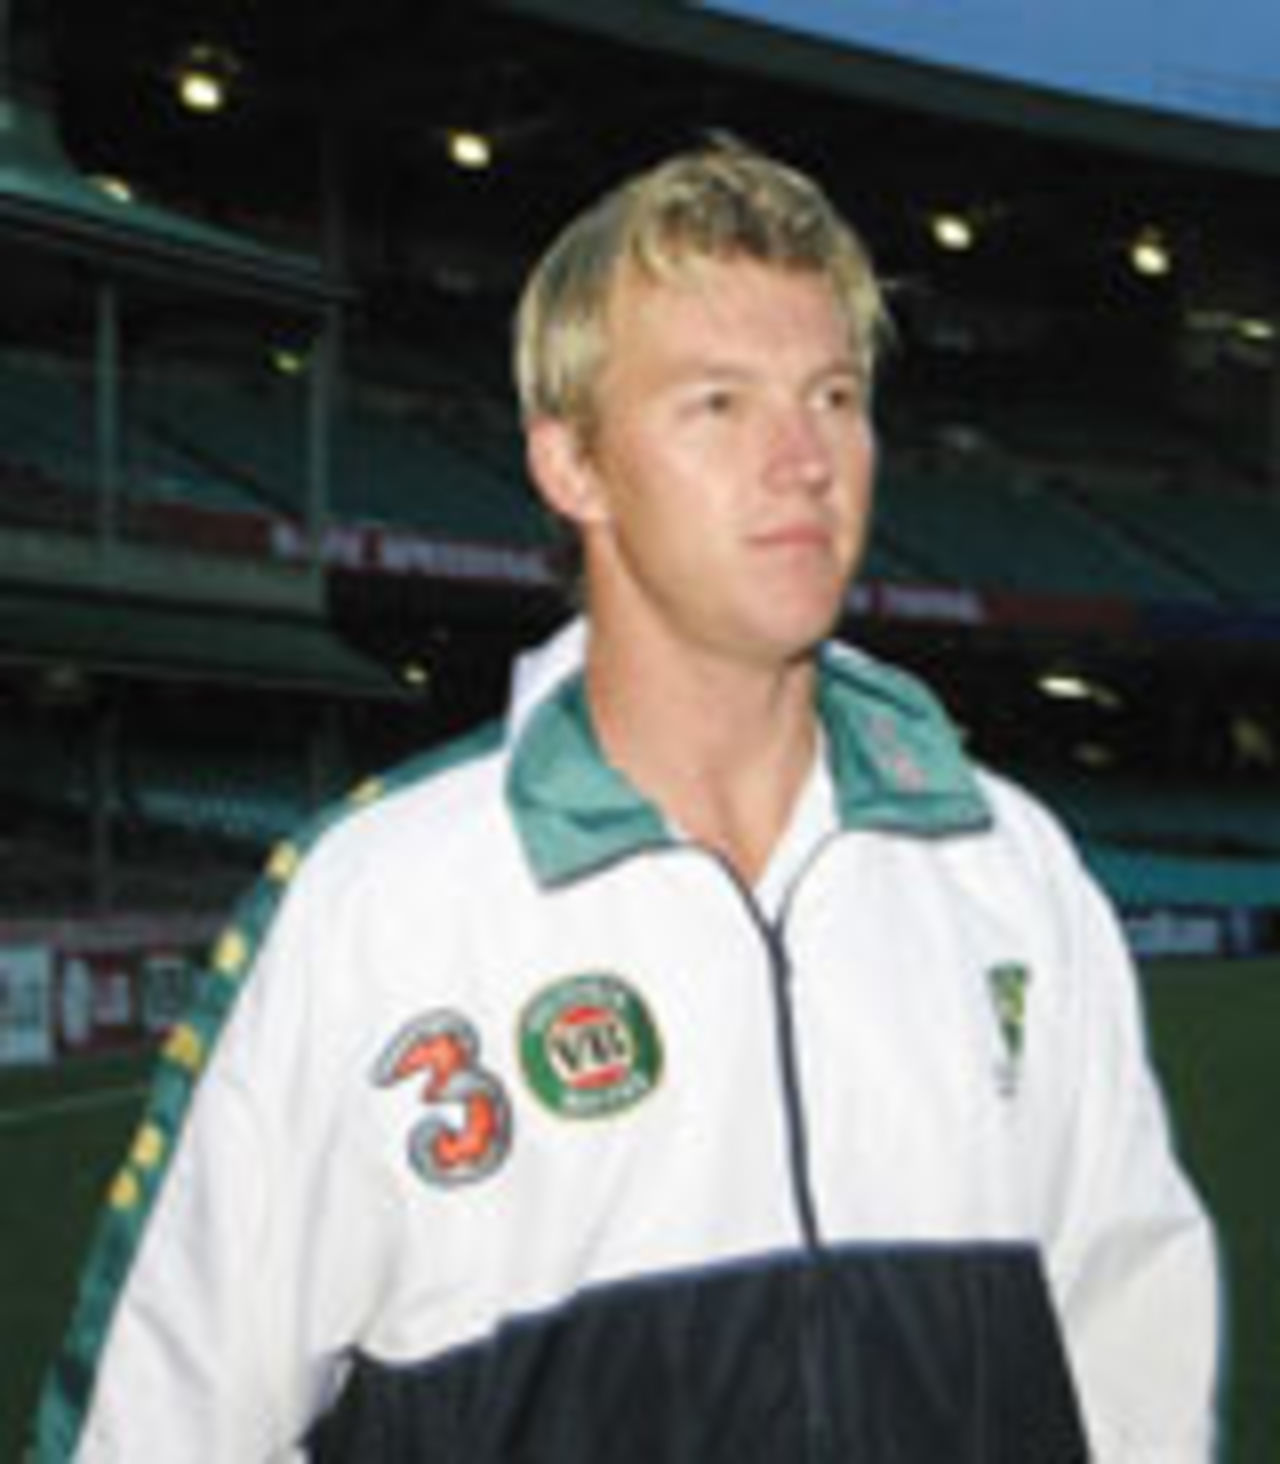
(812, 1338)
(813, 1328)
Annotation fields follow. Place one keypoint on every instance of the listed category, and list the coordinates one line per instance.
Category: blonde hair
(722, 201)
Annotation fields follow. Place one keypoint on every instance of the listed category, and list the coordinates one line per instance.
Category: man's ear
(563, 472)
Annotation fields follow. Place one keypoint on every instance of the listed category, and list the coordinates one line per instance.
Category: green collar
(896, 764)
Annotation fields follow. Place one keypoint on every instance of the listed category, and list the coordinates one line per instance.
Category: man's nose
(800, 453)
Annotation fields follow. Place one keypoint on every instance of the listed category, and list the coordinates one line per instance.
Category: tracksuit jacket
(511, 1128)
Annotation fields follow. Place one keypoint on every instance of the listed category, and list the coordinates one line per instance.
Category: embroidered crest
(1008, 982)
(589, 1047)
(466, 1133)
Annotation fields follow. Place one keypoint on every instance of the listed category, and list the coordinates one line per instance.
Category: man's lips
(793, 536)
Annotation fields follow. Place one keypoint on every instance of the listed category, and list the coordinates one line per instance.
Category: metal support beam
(107, 410)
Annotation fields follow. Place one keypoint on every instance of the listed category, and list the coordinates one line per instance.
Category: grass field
(1216, 1035)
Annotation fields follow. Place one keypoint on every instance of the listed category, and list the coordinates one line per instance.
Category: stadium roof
(44, 200)
(361, 97)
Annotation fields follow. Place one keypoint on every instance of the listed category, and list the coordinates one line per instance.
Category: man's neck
(723, 749)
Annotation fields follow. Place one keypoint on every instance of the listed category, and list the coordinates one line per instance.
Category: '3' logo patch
(466, 1132)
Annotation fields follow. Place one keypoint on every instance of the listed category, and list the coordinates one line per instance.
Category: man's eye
(718, 402)
(840, 396)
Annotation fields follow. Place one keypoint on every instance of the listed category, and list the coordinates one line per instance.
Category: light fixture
(470, 149)
(287, 361)
(1149, 254)
(415, 674)
(204, 78)
(63, 683)
(953, 232)
(1256, 329)
(1093, 755)
(118, 188)
(1062, 684)
(1252, 742)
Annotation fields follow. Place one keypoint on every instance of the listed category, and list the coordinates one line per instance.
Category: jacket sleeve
(201, 1332)
(1132, 1258)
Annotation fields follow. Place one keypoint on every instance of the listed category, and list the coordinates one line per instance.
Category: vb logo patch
(589, 1047)
(466, 1132)
(1009, 982)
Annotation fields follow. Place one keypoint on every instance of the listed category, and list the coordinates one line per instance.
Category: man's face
(727, 484)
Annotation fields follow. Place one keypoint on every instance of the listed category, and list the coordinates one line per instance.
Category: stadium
(265, 529)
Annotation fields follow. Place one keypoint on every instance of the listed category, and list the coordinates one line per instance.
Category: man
(709, 1064)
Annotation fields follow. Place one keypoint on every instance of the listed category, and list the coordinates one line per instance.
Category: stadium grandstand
(264, 528)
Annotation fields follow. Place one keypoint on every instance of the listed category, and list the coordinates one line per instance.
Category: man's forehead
(714, 284)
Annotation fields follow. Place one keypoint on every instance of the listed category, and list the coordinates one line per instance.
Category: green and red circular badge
(589, 1047)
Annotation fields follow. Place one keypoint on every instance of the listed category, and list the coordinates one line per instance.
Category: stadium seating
(429, 446)
(239, 444)
(404, 473)
(1243, 529)
(994, 525)
(1137, 877)
(45, 422)
(438, 453)
(1240, 815)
